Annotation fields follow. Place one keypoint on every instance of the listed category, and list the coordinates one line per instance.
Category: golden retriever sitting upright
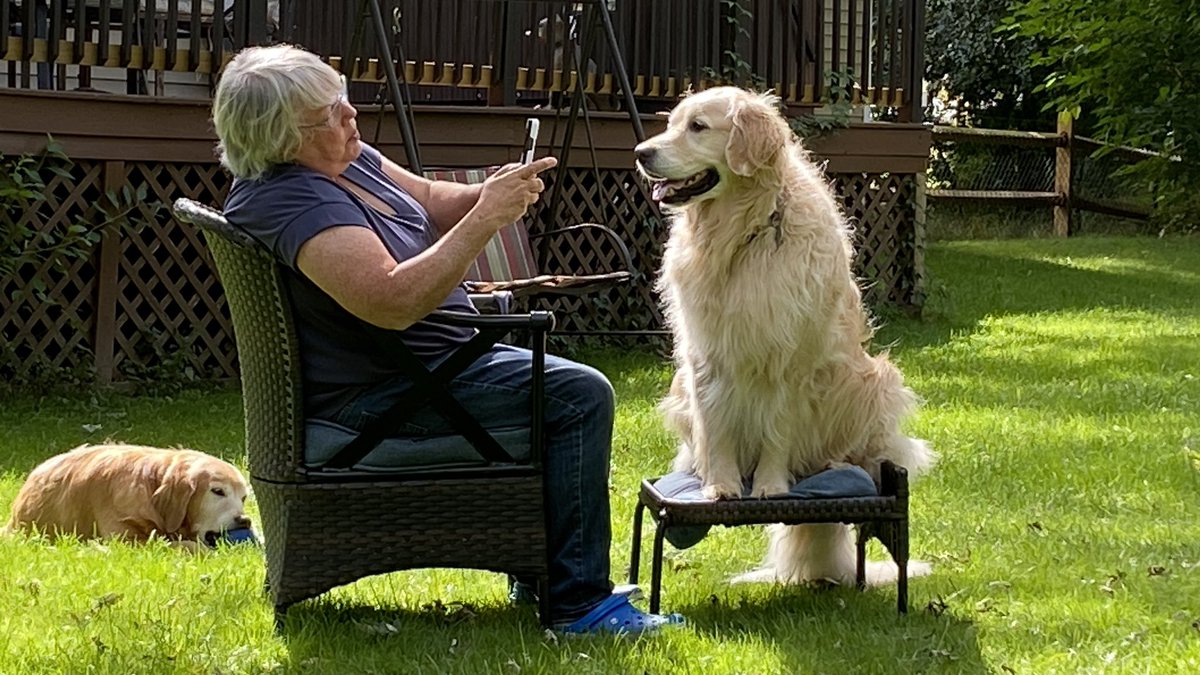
(133, 492)
(773, 382)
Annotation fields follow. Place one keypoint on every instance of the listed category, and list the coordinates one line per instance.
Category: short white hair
(257, 109)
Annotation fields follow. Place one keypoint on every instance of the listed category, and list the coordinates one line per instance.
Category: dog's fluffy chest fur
(745, 313)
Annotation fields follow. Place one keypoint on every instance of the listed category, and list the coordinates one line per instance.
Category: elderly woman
(367, 245)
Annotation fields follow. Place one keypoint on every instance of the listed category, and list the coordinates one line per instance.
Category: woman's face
(331, 139)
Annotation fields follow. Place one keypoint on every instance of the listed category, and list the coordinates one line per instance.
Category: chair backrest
(508, 255)
(268, 350)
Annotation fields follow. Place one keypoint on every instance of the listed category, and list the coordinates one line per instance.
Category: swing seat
(508, 262)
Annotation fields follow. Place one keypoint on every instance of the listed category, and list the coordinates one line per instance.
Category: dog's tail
(821, 552)
(913, 454)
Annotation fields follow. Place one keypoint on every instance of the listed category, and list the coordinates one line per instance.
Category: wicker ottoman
(884, 517)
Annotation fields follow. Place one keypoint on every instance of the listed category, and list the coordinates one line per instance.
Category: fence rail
(1059, 169)
(493, 51)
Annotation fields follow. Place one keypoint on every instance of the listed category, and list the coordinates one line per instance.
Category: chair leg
(280, 618)
(543, 591)
(863, 532)
(900, 530)
(635, 555)
(656, 567)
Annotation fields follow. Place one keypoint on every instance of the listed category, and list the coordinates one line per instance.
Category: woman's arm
(446, 201)
(352, 265)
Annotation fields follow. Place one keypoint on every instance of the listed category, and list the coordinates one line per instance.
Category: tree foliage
(1134, 67)
(988, 77)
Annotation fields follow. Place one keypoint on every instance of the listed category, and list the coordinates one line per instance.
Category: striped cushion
(508, 255)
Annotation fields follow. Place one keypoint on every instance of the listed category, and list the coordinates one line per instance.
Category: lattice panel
(882, 208)
(615, 198)
(47, 311)
(171, 310)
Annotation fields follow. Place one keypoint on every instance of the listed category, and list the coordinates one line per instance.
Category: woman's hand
(507, 194)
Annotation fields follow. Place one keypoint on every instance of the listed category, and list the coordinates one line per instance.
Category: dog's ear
(171, 499)
(758, 132)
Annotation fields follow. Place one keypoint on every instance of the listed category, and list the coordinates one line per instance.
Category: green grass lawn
(1062, 388)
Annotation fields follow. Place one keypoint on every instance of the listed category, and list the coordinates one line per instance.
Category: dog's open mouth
(210, 538)
(680, 191)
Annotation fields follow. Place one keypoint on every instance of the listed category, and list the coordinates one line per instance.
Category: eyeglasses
(334, 107)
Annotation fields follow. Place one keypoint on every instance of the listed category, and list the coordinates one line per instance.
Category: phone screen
(531, 135)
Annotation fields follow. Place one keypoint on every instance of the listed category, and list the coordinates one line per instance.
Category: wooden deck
(148, 297)
(486, 52)
(141, 128)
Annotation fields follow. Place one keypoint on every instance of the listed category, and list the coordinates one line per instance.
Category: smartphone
(531, 134)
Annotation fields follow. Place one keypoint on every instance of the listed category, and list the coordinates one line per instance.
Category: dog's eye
(220, 492)
(697, 126)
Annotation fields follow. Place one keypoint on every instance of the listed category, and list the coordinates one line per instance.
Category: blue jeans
(579, 422)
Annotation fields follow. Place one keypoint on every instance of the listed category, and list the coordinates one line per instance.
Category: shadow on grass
(789, 630)
(325, 636)
(842, 630)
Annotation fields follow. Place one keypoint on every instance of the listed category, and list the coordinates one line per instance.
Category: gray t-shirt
(340, 353)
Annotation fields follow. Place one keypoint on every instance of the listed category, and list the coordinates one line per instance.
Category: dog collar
(775, 222)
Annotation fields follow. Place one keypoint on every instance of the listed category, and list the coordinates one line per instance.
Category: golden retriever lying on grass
(133, 492)
(773, 381)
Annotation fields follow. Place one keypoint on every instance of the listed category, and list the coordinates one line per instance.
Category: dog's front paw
(768, 488)
(721, 491)
(769, 482)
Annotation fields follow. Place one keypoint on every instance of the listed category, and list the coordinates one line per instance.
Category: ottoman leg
(901, 530)
(656, 567)
(635, 555)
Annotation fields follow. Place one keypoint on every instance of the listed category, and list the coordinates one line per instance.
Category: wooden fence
(1061, 170)
(490, 51)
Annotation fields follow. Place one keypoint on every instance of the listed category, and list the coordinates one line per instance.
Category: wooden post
(107, 268)
(1062, 174)
(914, 41)
(504, 79)
(916, 301)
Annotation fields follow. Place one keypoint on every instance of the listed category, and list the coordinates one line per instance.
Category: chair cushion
(508, 255)
(322, 440)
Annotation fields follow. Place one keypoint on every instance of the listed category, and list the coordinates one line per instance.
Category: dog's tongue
(659, 190)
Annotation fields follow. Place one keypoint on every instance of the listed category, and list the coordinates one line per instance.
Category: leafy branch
(23, 189)
(837, 114)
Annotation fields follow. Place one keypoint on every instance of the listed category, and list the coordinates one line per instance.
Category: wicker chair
(884, 516)
(330, 524)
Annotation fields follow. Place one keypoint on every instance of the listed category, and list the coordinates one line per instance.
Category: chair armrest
(536, 321)
(605, 232)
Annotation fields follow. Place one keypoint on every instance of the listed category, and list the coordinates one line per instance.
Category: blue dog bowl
(241, 535)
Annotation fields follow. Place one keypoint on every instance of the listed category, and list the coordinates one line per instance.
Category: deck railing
(494, 51)
(43, 37)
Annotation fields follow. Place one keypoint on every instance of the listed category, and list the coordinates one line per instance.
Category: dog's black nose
(644, 153)
(242, 521)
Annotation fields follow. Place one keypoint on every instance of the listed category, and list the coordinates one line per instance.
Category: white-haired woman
(369, 249)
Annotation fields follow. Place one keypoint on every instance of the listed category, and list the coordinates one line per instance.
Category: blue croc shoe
(616, 616)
